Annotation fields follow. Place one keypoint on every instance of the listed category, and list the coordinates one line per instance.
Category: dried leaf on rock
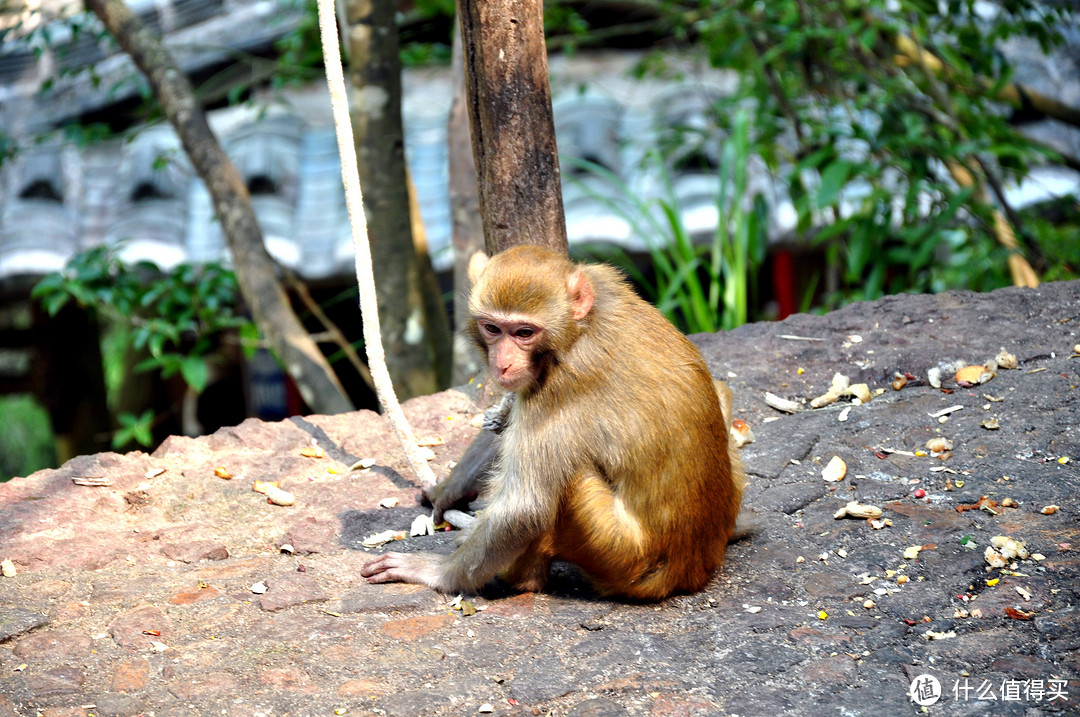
(983, 503)
(1006, 360)
(1004, 550)
(782, 404)
(939, 444)
(377, 539)
(741, 433)
(422, 525)
(973, 375)
(277, 496)
(1009, 547)
(93, 482)
(855, 509)
(835, 470)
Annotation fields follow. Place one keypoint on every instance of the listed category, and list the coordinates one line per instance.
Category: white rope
(365, 277)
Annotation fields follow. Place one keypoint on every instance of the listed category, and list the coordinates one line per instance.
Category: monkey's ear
(581, 293)
(476, 266)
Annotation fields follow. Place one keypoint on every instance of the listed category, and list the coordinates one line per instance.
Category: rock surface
(136, 597)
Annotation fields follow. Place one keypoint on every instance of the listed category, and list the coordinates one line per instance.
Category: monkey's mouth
(513, 383)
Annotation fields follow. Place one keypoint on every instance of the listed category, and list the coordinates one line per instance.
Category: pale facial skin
(510, 343)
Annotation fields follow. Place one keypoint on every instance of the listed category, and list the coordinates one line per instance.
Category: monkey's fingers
(449, 494)
(417, 568)
(430, 489)
(388, 568)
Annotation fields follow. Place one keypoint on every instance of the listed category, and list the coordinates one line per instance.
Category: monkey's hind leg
(597, 532)
(529, 573)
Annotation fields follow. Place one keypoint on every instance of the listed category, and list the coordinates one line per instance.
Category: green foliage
(26, 438)
(299, 52)
(134, 428)
(8, 147)
(176, 318)
(1056, 227)
(699, 286)
(865, 139)
(414, 54)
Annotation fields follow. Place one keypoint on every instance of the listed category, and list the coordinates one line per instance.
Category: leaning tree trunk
(468, 230)
(254, 268)
(416, 338)
(513, 129)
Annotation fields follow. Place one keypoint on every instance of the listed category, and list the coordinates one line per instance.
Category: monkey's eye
(524, 333)
(490, 329)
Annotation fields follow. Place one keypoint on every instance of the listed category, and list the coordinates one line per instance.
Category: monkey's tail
(746, 526)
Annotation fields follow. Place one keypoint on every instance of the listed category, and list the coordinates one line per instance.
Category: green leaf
(193, 369)
(148, 364)
(134, 428)
(833, 179)
(55, 302)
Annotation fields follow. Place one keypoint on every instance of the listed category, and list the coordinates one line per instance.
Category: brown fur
(615, 454)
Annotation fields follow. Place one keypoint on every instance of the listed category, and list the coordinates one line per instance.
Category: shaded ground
(135, 597)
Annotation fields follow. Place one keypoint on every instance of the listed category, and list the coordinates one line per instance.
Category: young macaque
(610, 450)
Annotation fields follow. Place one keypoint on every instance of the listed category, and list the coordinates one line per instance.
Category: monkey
(610, 451)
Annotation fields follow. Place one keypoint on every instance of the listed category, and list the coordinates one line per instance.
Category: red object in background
(783, 279)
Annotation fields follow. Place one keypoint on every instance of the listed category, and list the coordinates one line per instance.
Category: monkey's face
(510, 344)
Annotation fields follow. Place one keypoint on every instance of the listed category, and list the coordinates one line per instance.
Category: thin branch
(333, 333)
(778, 92)
(1014, 217)
(1005, 234)
(1013, 93)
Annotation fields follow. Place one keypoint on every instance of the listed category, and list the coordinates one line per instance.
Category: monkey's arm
(518, 514)
(463, 483)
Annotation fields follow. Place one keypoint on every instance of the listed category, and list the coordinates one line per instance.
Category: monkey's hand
(464, 482)
(449, 493)
(496, 417)
(419, 568)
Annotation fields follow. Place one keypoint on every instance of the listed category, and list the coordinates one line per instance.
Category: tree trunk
(442, 339)
(468, 230)
(410, 334)
(69, 378)
(254, 268)
(513, 129)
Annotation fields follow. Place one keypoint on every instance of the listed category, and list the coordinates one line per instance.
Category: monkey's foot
(418, 568)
